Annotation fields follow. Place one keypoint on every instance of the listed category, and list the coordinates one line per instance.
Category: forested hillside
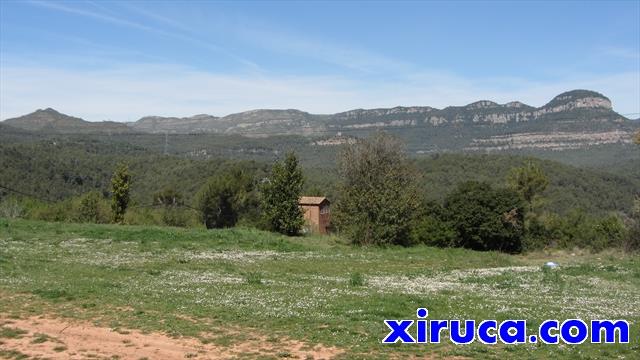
(61, 167)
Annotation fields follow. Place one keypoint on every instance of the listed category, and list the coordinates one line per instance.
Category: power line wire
(26, 194)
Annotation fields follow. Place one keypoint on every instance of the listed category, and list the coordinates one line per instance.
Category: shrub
(175, 216)
(538, 235)
(431, 230)
(608, 231)
(576, 229)
(91, 207)
(632, 241)
(142, 216)
(485, 218)
(58, 211)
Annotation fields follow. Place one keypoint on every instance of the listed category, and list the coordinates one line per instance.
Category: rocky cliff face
(573, 105)
(571, 120)
(193, 124)
(250, 123)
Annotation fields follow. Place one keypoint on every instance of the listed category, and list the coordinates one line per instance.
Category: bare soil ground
(54, 338)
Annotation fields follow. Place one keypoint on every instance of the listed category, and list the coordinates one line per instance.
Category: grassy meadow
(224, 286)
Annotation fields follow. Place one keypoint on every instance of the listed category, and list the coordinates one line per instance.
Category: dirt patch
(53, 338)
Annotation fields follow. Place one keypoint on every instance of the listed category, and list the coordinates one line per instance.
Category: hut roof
(312, 200)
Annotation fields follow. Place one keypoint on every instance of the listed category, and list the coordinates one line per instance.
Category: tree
(120, 188)
(632, 242)
(636, 138)
(280, 195)
(379, 192)
(223, 199)
(529, 181)
(485, 218)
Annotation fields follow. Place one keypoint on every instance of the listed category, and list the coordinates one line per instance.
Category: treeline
(60, 169)
(379, 203)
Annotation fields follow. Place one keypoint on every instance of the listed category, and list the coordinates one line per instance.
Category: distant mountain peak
(52, 120)
(516, 104)
(482, 104)
(580, 99)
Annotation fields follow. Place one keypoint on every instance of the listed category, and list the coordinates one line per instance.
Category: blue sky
(123, 60)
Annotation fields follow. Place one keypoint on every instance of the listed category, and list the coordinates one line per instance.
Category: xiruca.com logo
(570, 331)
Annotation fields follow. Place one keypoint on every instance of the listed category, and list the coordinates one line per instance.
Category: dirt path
(53, 338)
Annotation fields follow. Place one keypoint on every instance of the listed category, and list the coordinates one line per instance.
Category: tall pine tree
(120, 188)
(280, 197)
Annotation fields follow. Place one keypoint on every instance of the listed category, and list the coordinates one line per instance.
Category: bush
(58, 211)
(608, 232)
(538, 235)
(176, 216)
(632, 242)
(431, 230)
(92, 207)
(485, 218)
(576, 229)
(143, 216)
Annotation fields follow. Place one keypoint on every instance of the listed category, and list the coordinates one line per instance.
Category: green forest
(69, 178)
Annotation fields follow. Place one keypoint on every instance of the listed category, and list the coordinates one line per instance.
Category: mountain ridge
(575, 109)
(582, 104)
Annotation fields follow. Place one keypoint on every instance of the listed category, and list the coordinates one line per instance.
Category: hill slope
(50, 120)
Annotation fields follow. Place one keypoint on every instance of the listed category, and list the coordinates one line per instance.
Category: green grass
(357, 279)
(11, 333)
(320, 290)
(12, 354)
(40, 338)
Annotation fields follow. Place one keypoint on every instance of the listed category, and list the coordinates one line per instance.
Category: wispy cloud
(118, 20)
(621, 52)
(286, 41)
(344, 55)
